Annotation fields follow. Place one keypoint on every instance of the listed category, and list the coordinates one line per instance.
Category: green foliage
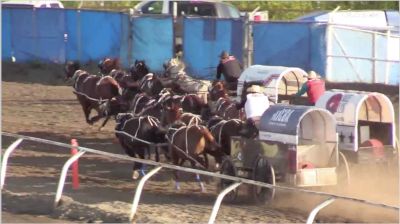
(277, 10)
(288, 10)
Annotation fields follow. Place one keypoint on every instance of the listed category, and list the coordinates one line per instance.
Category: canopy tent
(360, 116)
(277, 80)
(293, 124)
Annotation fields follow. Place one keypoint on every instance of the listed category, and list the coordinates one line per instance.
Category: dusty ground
(51, 111)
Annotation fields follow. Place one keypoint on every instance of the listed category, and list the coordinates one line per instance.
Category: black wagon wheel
(228, 168)
(263, 172)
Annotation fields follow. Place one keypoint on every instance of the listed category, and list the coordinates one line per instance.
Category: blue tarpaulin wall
(153, 40)
(203, 41)
(33, 35)
(57, 35)
(93, 35)
(290, 44)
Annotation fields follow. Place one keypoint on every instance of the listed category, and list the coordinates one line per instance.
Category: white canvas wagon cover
(349, 107)
(277, 79)
(289, 123)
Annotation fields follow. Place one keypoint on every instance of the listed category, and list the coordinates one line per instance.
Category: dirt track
(106, 190)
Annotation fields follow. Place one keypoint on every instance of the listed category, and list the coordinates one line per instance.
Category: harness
(186, 151)
(152, 121)
(221, 124)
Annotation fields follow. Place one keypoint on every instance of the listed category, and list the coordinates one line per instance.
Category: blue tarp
(33, 35)
(93, 35)
(203, 41)
(6, 35)
(152, 40)
(290, 44)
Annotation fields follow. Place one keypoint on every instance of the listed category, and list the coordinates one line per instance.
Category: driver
(255, 103)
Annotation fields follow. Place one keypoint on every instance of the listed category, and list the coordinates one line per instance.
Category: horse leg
(175, 161)
(156, 148)
(142, 154)
(86, 110)
(104, 123)
(203, 189)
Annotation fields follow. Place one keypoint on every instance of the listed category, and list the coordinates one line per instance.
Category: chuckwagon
(365, 124)
(297, 145)
(279, 82)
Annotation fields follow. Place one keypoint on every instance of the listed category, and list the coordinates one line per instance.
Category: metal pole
(219, 200)
(139, 189)
(6, 155)
(314, 212)
(64, 175)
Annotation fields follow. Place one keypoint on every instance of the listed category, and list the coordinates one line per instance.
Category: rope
(90, 98)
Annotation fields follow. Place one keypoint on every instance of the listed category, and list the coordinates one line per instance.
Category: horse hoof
(135, 175)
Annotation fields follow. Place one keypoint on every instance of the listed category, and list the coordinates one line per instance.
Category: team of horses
(161, 112)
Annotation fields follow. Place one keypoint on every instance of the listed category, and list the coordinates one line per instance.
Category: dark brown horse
(223, 130)
(191, 143)
(138, 70)
(137, 135)
(91, 90)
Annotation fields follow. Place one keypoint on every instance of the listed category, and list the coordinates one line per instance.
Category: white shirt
(256, 104)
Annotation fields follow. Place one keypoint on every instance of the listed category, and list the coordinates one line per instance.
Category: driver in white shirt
(256, 103)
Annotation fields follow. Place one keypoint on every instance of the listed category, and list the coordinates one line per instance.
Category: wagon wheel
(262, 172)
(228, 168)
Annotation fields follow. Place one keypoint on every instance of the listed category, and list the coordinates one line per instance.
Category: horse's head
(139, 69)
(172, 110)
(218, 90)
(108, 64)
(70, 68)
(249, 129)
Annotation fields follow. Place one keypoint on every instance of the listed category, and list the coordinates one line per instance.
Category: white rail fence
(158, 166)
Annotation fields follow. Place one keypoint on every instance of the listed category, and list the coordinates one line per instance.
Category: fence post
(314, 212)
(139, 189)
(6, 155)
(64, 175)
(219, 200)
(75, 167)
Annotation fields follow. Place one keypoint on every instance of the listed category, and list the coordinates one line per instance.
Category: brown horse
(91, 90)
(218, 90)
(108, 64)
(190, 143)
(220, 103)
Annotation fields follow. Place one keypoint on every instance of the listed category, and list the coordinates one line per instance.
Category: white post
(219, 200)
(6, 155)
(64, 175)
(139, 189)
(314, 212)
